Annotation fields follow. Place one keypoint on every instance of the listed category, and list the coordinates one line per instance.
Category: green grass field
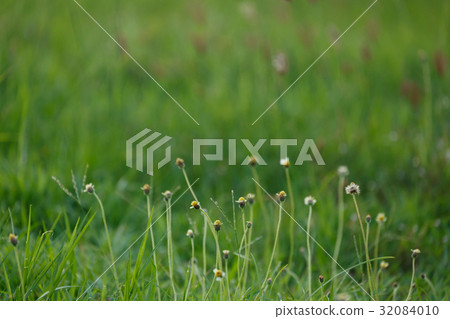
(376, 102)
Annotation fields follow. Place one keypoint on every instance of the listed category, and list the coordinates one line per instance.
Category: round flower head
(89, 188)
(250, 198)
(167, 195)
(269, 281)
(146, 189)
(321, 279)
(249, 224)
(226, 254)
(241, 201)
(217, 225)
(195, 205)
(381, 218)
(219, 274)
(415, 252)
(368, 219)
(310, 201)
(342, 171)
(395, 285)
(179, 162)
(281, 196)
(384, 264)
(13, 239)
(285, 162)
(352, 189)
(422, 275)
(252, 161)
(190, 233)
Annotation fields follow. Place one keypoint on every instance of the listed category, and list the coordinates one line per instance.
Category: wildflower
(250, 198)
(241, 201)
(280, 63)
(422, 275)
(217, 225)
(219, 274)
(415, 252)
(190, 233)
(146, 189)
(269, 281)
(352, 189)
(226, 254)
(310, 201)
(167, 195)
(252, 161)
(13, 239)
(384, 264)
(342, 171)
(249, 224)
(381, 218)
(281, 196)
(195, 204)
(368, 219)
(285, 162)
(179, 162)
(89, 188)
(321, 279)
(395, 285)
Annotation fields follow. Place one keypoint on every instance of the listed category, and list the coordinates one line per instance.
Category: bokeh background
(378, 102)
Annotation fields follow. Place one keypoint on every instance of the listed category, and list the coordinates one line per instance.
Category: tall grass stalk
(170, 246)
(308, 245)
(239, 271)
(415, 252)
(205, 231)
(250, 232)
(228, 281)
(340, 229)
(108, 239)
(152, 239)
(216, 238)
(273, 249)
(191, 270)
(292, 212)
(366, 247)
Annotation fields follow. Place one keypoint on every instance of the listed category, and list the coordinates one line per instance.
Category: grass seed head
(250, 198)
(368, 219)
(180, 163)
(285, 162)
(167, 195)
(395, 285)
(217, 225)
(269, 281)
(384, 264)
(342, 171)
(381, 218)
(422, 275)
(195, 205)
(241, 201)
(190, 233)
(281, 196)
(219, 274)
(146, 189)
(252, 161)
(226, 254)
(321, 279)
(415, 252)
(13, 239)
(249, 224)
(89, 188)
(352, 189)
(310, 201)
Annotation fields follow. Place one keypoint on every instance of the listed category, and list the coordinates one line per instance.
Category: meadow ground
(376, 102)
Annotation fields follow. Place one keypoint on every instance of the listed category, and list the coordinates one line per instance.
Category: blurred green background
(378, 102)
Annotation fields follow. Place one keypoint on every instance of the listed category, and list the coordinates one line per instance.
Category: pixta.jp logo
(142, 146)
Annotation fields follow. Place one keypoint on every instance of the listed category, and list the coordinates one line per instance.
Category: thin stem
(377, 243)
(309, 251)
(170, 247)
(365, 246)
(340, 229)
(216, 238)
(239, 273)
(226, 278)
(322, 298)
(152, 238)
(273, 249)
(191, 270)
(116, 277)
(291, 225)
(20, 273)
(250, 231)
(412, 280)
